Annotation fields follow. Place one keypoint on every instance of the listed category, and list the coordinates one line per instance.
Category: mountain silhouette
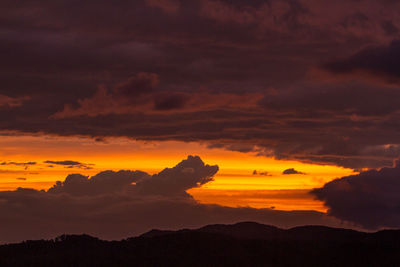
(241, 244)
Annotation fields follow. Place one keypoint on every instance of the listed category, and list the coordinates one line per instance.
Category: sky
(117, 117)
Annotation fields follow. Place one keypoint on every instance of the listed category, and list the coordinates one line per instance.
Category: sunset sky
(117, 117)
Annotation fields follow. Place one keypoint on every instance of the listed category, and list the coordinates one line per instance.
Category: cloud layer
(303, 80)
(116, 205)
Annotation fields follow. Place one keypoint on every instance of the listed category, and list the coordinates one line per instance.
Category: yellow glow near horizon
(234, 184)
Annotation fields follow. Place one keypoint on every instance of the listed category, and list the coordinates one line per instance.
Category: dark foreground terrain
(242, 244)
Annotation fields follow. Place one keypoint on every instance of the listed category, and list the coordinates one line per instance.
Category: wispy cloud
(70, 164)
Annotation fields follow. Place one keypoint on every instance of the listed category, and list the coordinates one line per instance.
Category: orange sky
(234, 185)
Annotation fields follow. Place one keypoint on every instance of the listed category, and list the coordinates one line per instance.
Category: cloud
(64, 162)
(170, 101)
(389, 27)
(168, 6)
(26, 165)
(133, 93)
(261, 173)
(379, 61)
(11, 102)
(210, 71)
(103, 182)
(115, 205)
(18, 163)
(276, 123)
(189, 173)
(291, 171)
(369, 199)
(141, 84)
(140, 93)
(69, 164)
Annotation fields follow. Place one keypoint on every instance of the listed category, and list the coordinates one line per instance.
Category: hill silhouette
(241, 244)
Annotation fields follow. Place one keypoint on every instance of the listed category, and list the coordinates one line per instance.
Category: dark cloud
(389, 27)
(292, 171)
(233, 73)
(380, 61)
(142, 83)
(63, 162)
(69, 164)
(189, 173)
(168, 6)
(369, 199)
(101, 183)
(115, 205)
(12, 102)
(140, 94)
(18, 163)
(172, 101)
(337, 99)
(261, 173)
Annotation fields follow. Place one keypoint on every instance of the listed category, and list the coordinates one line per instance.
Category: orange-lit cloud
(235, 174)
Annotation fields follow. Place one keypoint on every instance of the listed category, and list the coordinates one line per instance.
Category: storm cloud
(261, 74)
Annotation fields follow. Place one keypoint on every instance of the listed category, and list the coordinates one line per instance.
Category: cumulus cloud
(189, 173)
(116, 205)
(370, 199)
(291, 171)
(101, 183)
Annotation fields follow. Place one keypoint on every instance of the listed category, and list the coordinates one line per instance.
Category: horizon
(197, 229)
